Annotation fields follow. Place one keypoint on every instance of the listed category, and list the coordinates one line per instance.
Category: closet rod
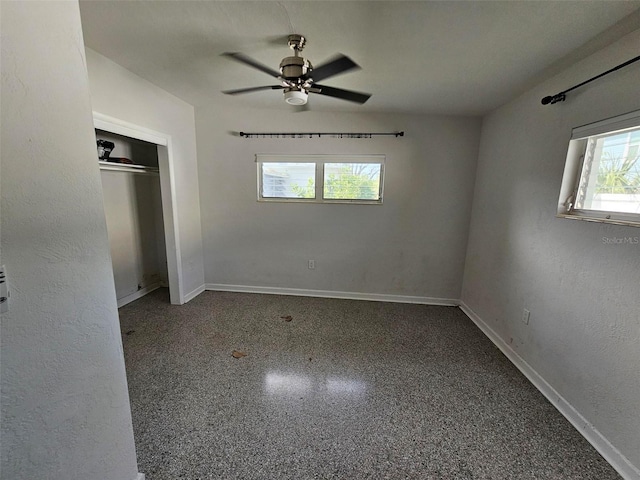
(125, 167)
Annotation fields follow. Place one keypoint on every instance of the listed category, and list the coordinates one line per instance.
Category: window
(288, 180)
(602, 175)
(321, 178)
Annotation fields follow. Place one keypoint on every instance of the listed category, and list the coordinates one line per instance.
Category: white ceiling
(446, 57)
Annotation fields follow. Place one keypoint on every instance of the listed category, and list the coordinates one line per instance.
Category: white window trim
(319, 160)
(573, 170)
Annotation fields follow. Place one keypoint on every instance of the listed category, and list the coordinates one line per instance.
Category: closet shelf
(125, 167)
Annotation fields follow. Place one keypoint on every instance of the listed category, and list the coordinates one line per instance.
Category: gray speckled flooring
(345, 390)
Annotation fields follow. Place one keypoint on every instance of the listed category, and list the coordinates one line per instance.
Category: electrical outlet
(312, 264)
(525, 316)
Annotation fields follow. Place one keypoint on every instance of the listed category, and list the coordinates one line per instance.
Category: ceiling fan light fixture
(295, 97)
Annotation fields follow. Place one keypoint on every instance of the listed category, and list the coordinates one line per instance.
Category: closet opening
(139, 200)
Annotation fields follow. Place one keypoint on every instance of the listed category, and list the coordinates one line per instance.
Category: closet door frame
(167, 190)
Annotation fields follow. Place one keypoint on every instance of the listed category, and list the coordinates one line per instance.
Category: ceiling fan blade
(253, 89)
(337, 65)
(357, 97)
(242, 58)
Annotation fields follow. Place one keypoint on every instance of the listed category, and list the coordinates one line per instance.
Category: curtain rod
(320, 134)
(560, 97)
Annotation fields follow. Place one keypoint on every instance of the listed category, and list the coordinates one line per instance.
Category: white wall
(120, 94)
(133, 210)
(583, 293)
(65, 406)
(413, 245)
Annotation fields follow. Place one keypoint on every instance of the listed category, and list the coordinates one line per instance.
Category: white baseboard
(193, 294)
(610, 453)
(140, 476)
(300, 292)
(136, 295)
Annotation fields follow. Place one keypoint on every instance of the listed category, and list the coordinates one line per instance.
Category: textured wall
(413, 244)
(65, 406)
(584, 331)
(121, 94)
(133, 210)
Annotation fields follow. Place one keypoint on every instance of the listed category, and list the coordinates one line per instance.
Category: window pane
(288, 180)
(352, 181)
(610, 177)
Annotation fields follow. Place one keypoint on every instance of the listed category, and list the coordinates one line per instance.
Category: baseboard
(140, 476)
(300, 292)
(136, 295)
(610, 453)
(194, 293)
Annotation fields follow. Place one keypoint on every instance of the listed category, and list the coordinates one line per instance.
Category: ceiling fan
(298, 77)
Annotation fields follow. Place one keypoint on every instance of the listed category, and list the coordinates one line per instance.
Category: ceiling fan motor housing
(293, 68)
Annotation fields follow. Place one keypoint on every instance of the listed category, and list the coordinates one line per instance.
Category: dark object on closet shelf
(104, 149)
(121, 160)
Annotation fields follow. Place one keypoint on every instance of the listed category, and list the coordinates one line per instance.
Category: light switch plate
(4, 291)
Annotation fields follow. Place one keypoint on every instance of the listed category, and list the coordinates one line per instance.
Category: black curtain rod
(560, 97)
(320, 134)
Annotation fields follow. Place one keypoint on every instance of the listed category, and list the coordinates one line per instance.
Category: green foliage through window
(352, 181)
(619, 172)
(308, 191)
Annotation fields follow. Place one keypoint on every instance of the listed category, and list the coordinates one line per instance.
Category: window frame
(574, 165)
(319, 160)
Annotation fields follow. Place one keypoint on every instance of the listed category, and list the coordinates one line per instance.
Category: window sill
(319, 202)
(598, 219)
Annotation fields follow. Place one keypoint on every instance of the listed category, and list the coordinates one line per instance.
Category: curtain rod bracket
(551, 99)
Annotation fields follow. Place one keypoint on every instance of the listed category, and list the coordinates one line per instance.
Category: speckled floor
(344, 390)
